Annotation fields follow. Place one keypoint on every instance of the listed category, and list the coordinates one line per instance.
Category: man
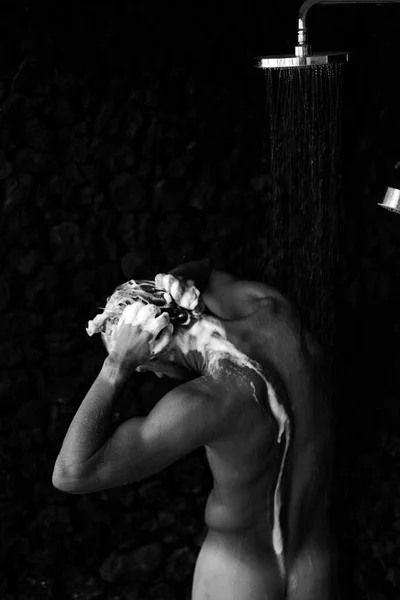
(253, 395)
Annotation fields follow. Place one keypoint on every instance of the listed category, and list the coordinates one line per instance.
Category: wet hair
(147, 292)
(144, 291)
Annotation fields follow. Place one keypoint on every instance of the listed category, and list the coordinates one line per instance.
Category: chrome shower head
(303, 57)
(309, 60)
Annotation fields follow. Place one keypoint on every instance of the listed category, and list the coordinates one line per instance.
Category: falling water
(301, 243)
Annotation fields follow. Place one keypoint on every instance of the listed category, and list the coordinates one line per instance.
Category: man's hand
(183, 292)
(142, 332)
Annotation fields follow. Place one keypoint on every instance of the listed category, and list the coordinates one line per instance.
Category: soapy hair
(147, 292)
(144, 291)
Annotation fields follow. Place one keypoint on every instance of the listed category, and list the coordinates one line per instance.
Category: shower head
(292, 60)
(303, 57)
(391, 201)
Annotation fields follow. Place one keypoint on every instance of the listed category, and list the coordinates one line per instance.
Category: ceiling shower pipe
(303, 49)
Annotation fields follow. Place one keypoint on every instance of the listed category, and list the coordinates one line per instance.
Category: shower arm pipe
(303, 49)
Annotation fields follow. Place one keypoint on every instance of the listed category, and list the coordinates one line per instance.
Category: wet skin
(238, 560)
(254, 396)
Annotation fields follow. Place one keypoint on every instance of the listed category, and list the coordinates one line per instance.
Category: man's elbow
(68, 480)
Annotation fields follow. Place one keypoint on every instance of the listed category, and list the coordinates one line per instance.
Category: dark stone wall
(131, 139)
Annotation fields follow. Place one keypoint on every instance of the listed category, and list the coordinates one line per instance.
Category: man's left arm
(141, 331)
(187, 418)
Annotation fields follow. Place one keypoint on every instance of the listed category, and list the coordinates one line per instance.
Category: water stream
(303, 158)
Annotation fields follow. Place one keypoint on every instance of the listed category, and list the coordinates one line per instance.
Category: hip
(233, 567)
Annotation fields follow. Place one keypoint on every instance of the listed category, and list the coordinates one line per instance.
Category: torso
(242, 510)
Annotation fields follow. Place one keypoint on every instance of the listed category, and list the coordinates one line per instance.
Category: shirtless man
(254, 396)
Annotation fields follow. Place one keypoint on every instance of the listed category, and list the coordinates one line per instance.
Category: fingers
(171, 284)
(146, 314)
(161, 281)
(138, 313)
(147, 317)
(155, 325)
(130, 313)
(185, 294)
(190, 298)
(163, 340)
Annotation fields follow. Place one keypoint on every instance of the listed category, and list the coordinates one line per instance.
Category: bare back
(248, 464)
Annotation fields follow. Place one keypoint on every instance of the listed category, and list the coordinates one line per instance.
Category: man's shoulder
(204, 390)
(228, 395)
(230, 298)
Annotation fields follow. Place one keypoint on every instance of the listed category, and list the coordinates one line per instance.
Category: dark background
(131, 138)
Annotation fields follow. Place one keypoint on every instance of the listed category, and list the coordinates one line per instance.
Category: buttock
(230, 568)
